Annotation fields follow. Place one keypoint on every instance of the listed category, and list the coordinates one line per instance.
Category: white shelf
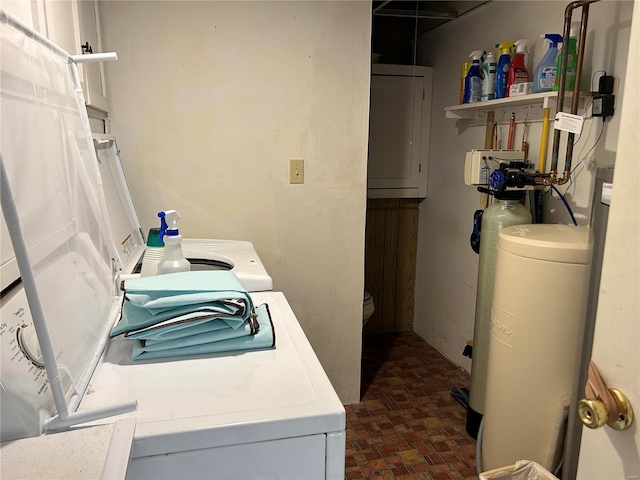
(530, 106)
(468, 110)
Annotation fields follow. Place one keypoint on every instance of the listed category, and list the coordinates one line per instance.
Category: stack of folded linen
(192, 313)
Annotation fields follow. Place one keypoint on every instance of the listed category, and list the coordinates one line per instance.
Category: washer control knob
(28, 342)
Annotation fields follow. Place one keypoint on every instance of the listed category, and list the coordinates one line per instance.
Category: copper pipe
(582, 40)
(553, 174)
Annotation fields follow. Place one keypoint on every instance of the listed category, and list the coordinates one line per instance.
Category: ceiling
(397, 25)
(430, 13)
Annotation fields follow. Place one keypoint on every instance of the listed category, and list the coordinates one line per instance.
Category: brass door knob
(624, 417)
(594, 413)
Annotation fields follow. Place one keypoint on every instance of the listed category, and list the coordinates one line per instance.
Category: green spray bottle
(572, 60)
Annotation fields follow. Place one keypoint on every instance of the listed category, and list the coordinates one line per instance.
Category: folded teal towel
(177, 298)
(197, 337)
(265, 338)
(193, 327)
(135, 318)
(192, 313)
(161, 292)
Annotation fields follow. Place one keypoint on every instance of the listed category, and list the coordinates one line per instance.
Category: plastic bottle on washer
(153, 253)
(174, 260)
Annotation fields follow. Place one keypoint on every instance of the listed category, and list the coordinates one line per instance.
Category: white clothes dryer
(260, 414)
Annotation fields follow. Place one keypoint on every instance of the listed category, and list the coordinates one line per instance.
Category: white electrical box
(478, 164)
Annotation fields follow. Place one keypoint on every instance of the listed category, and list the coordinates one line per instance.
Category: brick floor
(407, 425)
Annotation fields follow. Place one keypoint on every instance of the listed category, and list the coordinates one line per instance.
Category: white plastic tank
(539, 303)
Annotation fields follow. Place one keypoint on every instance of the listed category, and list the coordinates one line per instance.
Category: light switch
(296, 170)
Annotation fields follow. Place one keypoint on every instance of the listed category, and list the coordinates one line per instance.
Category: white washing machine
(128, 236)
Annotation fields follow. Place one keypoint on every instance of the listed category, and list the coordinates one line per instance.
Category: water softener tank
(504, 212)
(539, 303)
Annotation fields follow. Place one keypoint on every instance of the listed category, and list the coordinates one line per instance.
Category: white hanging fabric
(53, 203)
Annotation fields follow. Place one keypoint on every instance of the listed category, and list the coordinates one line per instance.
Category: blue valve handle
(497, 180)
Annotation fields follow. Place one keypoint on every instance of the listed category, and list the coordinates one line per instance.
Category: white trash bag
(522, 470)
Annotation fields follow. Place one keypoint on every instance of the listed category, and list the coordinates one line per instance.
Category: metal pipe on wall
(582, 40)
(553, 174)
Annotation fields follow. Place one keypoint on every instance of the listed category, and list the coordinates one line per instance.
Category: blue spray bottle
(545, 73)
(473, 80)
(505, 49)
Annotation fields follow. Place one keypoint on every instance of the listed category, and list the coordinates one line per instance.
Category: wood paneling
(406, 274)
(391, 240)
(390, 260)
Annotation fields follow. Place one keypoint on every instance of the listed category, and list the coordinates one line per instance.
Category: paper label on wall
(568, 122)
(607, 189)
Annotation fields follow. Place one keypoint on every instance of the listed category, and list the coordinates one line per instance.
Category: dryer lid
(126, 229)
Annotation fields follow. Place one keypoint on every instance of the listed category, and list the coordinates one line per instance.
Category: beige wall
(209, 100)
(447, 267)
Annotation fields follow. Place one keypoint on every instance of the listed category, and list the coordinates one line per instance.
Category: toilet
(367, 307)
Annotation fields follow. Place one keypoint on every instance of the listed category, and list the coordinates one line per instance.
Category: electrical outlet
(296, 170)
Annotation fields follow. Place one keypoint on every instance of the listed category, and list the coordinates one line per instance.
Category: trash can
(522, 470)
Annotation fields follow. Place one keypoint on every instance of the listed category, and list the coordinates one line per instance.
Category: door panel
(606, 453)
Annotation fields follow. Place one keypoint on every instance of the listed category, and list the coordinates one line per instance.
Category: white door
(606, 453)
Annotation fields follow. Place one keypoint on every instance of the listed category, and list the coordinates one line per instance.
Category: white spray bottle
(174, 260)
(488, 77)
